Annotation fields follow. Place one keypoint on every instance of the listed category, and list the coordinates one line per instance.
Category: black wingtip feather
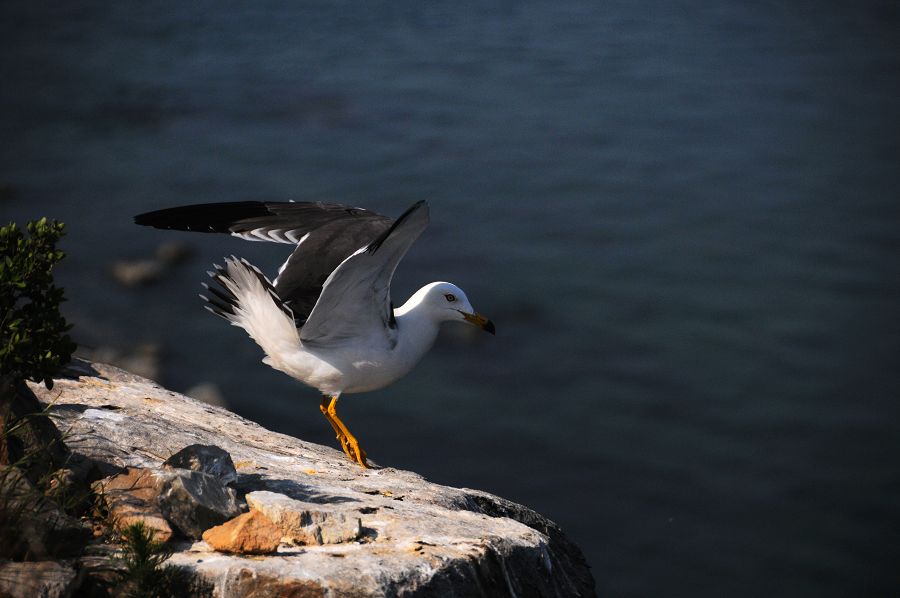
(203, 218)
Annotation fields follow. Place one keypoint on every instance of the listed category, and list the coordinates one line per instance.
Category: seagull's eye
(450, 297)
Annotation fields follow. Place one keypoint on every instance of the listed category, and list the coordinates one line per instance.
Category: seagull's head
(446, 302)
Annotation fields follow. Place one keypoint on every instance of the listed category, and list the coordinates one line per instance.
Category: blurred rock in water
(174, 252)
(144, 360)
(138, 273)
(207, 392)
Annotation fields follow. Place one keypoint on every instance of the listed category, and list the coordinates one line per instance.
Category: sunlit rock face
(326, 525)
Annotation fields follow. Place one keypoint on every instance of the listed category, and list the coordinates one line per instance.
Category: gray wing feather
(300, 279)
(355, 299)
(329, 233)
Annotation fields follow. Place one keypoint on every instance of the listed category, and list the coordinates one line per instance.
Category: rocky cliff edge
(339, 530)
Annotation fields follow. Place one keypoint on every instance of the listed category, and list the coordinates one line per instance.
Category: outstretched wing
(355, 300)
(325, 234)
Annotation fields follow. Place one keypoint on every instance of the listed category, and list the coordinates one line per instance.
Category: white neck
(417, 327)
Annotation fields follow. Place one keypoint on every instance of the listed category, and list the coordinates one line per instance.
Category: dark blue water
(682, 217)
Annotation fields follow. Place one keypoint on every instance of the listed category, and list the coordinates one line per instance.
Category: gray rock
(417, 538)
(32, 526)
(193, 502)
(305, 522)
(207, 459)
(39, 579)
(36, 448)
(103, 568)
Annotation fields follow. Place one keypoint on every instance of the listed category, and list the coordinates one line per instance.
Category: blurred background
(683, 218)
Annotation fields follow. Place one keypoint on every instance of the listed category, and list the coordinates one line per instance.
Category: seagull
(327, 319)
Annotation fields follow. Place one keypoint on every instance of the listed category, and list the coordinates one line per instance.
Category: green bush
(34, 343)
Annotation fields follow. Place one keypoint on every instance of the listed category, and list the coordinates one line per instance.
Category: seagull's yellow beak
(479, 320)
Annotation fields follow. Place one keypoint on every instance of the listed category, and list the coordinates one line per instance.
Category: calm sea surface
(683, 218)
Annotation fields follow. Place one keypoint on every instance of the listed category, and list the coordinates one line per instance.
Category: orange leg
(323, 407)
(348, 441)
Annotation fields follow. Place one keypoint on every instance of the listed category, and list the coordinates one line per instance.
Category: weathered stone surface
(248, 533)
(37, 446)
(306, 522)
(185, 501)
(418, 538)
(207, 459)
(32, 526)
(247, 582)
(38, 579)
(102, 570)
(131, 497)
(61, 484)
(194, 501)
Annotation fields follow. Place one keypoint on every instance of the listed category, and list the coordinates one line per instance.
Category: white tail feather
(257, 313)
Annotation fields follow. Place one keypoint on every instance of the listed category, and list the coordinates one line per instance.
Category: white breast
(361, 366)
